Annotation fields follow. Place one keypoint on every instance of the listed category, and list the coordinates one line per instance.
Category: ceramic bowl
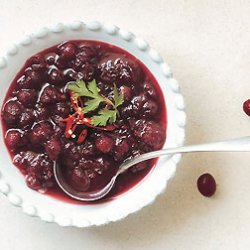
(49, 209)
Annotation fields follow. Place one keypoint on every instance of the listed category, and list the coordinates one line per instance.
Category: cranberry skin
(26, 118)
(246, 107)
(27, 97)
(54, 75)
(41, 133)
(51, 95)
(206, 185)
(41, 112)
(53, 148)
(126, 92)
(149, 90)
(11, 112)
(14, 138)
(33, 181)
(104, 144)
(79, 179)
(67, 51)
(150, 108)
(37, 63)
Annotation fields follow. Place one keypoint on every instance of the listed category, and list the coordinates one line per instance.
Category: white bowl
(12, 183)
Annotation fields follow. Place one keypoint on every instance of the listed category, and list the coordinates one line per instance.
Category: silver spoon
(234, 145)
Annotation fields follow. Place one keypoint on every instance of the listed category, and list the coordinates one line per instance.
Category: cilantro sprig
(92, 92)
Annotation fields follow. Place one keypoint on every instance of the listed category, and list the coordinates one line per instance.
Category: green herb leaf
(118, 98)
(92, 104)
(104, 116)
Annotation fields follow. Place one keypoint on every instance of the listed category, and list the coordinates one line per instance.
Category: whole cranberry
(11, 112)
(54, 75)
(26, 118)
(67, 51)
(41, 132)
(104, 143)
(27, 97)
(53, 148)
(51, 58)
(121, 149)
(150, 108)
(70, 74)
(33, 77)
(126, 92)
(14, 138)
(37, 63)
(206, 185)
(41, 112)
(51, 95)
(149, 89)
(61, 109)
(138, 102)
(33, 181)
(86, 72)
(246, 107)
(79, 179)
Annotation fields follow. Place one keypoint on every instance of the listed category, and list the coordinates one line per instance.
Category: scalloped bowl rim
(66, 214)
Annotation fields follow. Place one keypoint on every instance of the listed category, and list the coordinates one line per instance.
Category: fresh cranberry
(51, 95)
(53, 148)
(67, 51)
(80, 180)
(206, 185)
(14, 138)
(246, 107)
(37, 63)
(26, 118)
(41, 132)
(54, 75)
(104, 144)
(27, 97)
(11, 112)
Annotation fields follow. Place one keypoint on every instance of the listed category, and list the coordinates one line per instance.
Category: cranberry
(150, 108)
(27, 97)
(33, 77)
(138, 102)
(53, 148)
(51, 95)
(121, 149)
(206, 185)
(86, 72)
(70, 74)
(80, 179)
(126, 92)
(149, 89)
(104, 144)
(54, 75)
(41, 112)
(150, 133)
(246, 107)
(51, 58)
(32, 181)
(37, 63)
(14, 138)
(26, 118)
(67, 51)
(11, 112)
(41, 132)
(61, 109)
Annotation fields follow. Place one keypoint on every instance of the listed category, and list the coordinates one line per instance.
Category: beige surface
(207, 45)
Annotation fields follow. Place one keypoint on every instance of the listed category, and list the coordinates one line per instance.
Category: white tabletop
(207, 45)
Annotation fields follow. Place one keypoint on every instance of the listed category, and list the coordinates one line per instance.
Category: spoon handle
(234, 145)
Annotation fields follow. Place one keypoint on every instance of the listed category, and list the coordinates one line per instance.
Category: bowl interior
(51, 209)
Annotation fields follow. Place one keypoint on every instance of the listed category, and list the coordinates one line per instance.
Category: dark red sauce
(38, 101)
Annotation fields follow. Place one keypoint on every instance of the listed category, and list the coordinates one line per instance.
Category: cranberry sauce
(38, 102)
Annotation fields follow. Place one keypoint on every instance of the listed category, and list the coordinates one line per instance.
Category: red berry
(11, 112)
(104, 144)
(27, 97)
(246, 107)
(206, 185)
(14, 138)
(53, 148)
